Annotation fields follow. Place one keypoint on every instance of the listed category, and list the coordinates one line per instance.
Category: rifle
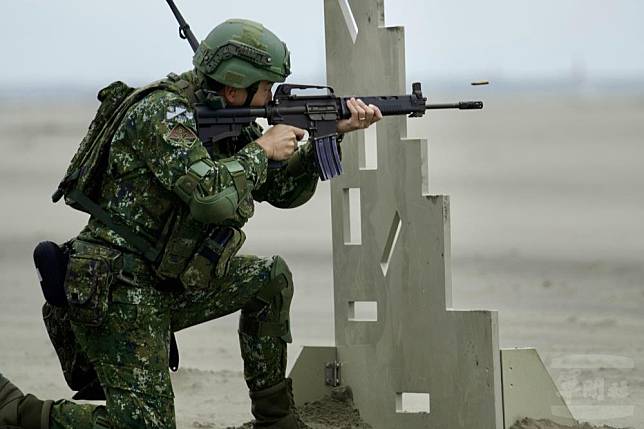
(318, 114)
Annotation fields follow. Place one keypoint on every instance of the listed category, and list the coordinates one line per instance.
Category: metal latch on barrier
(332, 373)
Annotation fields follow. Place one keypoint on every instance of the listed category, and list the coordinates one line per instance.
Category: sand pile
(547, 424)
(335, 411)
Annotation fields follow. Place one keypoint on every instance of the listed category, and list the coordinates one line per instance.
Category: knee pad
(268, 314)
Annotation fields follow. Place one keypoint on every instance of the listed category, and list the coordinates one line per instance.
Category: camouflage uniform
(124, 329)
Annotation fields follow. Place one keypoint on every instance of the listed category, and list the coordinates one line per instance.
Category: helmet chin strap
(251, 91)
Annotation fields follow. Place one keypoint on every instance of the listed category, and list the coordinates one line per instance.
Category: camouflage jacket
(156, 143)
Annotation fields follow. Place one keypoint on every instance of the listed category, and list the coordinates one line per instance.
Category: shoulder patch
(177, 111)
(182, 135)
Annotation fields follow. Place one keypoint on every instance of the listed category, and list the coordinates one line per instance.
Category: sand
(547, 209)
(547, 424)
(334, 411)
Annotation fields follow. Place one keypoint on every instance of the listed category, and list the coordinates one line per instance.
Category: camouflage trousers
(129, 350)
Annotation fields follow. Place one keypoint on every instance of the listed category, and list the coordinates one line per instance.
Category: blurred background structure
(545, 183)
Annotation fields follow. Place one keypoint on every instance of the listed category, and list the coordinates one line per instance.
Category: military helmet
(240, 52)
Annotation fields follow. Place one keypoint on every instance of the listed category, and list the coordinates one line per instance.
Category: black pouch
(51, 264)
(90, 271)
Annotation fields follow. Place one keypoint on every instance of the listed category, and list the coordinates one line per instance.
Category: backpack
(81, 185)
(85, 169)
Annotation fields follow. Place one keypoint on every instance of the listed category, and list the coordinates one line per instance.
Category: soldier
(160, 181)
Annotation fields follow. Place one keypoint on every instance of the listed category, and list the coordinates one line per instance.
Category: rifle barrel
(388, 109)
(463, 105)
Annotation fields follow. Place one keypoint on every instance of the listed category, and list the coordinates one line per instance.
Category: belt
(136, 271)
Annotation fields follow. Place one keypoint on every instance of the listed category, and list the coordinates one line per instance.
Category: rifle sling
(141, 244)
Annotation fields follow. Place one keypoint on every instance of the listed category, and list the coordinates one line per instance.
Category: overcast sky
(93, 42)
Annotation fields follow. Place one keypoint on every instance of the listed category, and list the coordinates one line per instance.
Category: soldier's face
(236, 97)
(263, 95)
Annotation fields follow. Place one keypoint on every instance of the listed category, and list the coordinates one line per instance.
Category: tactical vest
(185, 250)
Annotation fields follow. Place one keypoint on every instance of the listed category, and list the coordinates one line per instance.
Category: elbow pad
(213, 208)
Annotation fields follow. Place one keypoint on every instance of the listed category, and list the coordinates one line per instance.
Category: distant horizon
(562, 84)
(65, 43)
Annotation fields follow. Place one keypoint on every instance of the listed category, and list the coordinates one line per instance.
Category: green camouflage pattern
(146, 160)
(287, 187)
(69, 415)
(292, 185)
(128, 342)
(114, 100)
(89, 272)
(200, 272)
(130, 349)
(240, 53)
(77, 369)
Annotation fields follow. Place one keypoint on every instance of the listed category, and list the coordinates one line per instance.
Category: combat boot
(274, 408)
(18, 410)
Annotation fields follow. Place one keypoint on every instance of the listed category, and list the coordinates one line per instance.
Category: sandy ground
(547, 209)
(528, 423)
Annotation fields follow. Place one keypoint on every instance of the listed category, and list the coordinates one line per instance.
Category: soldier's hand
(362, 116)
(280, 141)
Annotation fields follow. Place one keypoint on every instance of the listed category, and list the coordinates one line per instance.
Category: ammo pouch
(180, 244)
(63, 282)
(212, 259)
(51, 264)
(76, 282)
(90, 272)
(77, 274)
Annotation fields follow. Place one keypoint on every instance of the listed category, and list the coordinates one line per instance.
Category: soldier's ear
(233, 96)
